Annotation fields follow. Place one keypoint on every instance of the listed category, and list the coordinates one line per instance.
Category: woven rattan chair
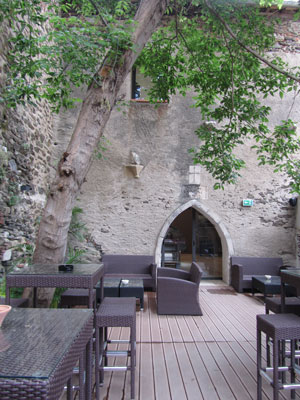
(178, 291)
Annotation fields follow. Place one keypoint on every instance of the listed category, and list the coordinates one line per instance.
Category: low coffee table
(133, 288)
(111, 287)
(266, 285)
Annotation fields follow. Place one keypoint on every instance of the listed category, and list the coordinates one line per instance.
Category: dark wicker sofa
(244, 268)
(131, 266)
(178, 291)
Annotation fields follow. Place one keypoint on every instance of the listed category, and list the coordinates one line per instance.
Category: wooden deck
(192, 358)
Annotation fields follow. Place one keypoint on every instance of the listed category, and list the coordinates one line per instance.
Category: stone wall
(26, 136)
(287, 34)
(126, 215)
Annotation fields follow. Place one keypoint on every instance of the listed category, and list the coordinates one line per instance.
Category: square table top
(111, 282)
(292, 272)
(52, 269)
(34, 341)
(48, 275)
(273, 280)
(291, 277)
(132, 283)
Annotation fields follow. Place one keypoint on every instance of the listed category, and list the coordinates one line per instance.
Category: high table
(289, 277)
(39, 348)
(48, 275)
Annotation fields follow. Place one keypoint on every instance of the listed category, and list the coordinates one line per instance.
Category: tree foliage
(58, 45)
(218, 49)
(230, 84)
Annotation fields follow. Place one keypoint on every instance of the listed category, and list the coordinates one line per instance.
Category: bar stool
(114, 312)
(292, 305)
(23, 303)
(280, 328)
(76, 297)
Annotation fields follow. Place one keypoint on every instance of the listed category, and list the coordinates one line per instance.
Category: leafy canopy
(230, 83)
(217, 49)
(58, 45)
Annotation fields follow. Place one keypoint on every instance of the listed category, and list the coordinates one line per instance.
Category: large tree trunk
(95, 111)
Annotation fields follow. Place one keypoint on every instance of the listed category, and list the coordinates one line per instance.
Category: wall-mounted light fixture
(293, 201)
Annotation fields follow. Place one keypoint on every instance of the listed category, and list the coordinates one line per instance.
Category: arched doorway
(208, 238)
(192, 237)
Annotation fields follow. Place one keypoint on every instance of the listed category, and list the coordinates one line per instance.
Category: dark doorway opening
(192, 237)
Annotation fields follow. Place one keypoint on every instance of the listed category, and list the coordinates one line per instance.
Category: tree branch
(293, 103)
(232, 74)
(189, 49)
(99, 12)
(245, 47)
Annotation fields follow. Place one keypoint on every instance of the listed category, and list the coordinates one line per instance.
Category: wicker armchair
(178, 291)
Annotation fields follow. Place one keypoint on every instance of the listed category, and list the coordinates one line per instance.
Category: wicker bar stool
(292, 305)
(280, 328)
(114, 312)
(23, 303)
(76, 297)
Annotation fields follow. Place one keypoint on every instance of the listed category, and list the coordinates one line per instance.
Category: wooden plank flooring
(212, 357)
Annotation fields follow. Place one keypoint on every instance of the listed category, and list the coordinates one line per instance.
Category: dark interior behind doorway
(192, 237)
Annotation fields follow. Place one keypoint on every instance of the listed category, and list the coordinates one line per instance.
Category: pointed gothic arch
(227, 244)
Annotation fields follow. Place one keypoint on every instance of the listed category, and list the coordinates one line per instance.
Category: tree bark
(95, 111)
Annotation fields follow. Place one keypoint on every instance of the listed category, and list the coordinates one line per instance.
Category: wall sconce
(135, 167)
(293, 201)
